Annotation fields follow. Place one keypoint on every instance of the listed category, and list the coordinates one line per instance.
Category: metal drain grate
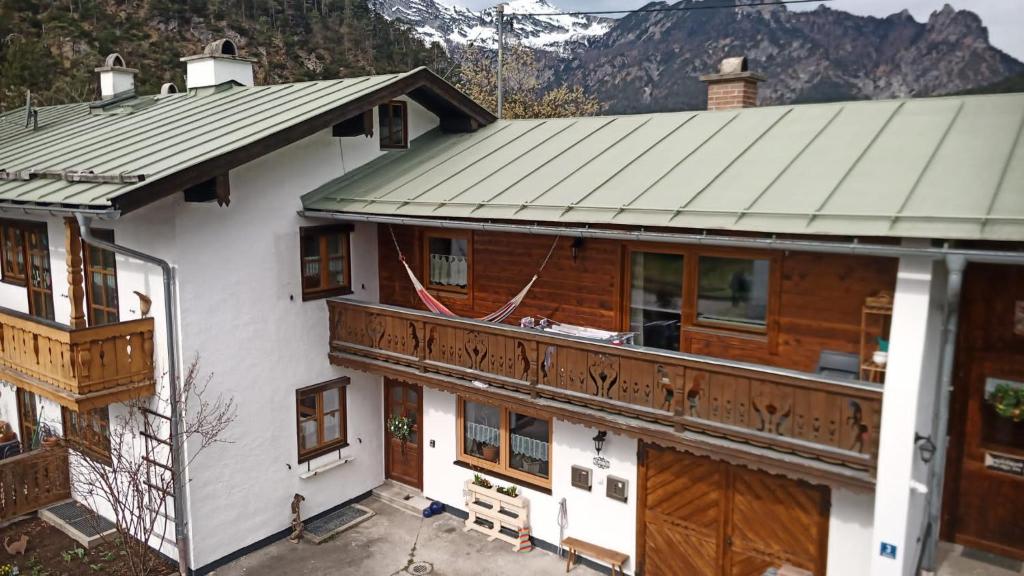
(996, 560)
(81, 518)
(420, 568)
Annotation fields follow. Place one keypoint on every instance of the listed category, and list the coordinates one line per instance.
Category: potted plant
(1008, 401)
(49, 436)
(6, 432)
(481, 481)
(510, 491)
(400, 428)
(1004, 405)
(489, 452)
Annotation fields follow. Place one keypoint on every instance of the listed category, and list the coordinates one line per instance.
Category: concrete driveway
(393, 540)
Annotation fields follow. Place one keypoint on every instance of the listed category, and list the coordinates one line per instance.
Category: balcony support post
(76, 278)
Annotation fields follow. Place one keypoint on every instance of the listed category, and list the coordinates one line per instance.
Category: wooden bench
(575, 547)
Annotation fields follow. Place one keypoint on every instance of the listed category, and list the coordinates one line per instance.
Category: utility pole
(501, 49)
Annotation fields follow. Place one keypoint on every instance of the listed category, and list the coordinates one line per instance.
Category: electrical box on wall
(581, 477)
(618, 488)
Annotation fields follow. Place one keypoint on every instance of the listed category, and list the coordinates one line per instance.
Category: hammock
(435, 306)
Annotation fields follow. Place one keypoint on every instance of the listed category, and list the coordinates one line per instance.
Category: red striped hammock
(435, 305)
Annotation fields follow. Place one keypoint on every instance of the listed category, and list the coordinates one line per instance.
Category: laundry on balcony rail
(435, 305)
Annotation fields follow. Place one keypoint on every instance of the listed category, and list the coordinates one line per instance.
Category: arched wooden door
(403, 462)
(702, 517)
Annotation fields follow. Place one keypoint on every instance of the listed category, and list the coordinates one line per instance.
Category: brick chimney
(115, 77)
(733, 87)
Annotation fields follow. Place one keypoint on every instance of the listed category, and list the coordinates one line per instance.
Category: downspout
(180, 514)
(954, 281)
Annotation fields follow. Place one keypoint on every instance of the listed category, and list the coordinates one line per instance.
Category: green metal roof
(948, 167)
(153, 136)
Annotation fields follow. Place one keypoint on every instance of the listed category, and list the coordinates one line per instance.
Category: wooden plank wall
(820, 300)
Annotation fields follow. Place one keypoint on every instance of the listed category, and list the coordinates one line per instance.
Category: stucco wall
(592, 516)
(849, 533)
(242, 312)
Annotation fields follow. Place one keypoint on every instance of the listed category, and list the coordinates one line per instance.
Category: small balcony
(81, 368)
(664, 395)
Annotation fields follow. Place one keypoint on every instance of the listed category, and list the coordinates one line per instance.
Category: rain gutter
(854, 247)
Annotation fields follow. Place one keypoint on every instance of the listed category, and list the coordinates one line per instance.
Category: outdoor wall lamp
(599, 441)
(925, 446)
(577, 244)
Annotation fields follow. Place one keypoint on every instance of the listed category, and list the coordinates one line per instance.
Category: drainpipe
(954, 281)
(180, 532)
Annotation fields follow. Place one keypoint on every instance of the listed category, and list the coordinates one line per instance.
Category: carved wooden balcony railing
(831, 420)
(32, 481)
(79, 368)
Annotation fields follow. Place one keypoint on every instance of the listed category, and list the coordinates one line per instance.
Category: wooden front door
(701, 517)
(403, 462)
(986, 508)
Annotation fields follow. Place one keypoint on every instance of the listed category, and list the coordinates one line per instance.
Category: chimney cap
(114, 62)
(224, 48)
(168, 88)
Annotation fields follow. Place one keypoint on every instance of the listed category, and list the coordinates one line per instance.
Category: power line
(667, 8)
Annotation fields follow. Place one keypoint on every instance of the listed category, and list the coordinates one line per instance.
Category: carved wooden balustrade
(32, 481)
(79, 368)
(831, 420)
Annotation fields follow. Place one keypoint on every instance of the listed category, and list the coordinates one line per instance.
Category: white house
(762, 258)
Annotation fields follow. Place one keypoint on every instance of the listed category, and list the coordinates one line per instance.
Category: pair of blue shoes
(433, 509)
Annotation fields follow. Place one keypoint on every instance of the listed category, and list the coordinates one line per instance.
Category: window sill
(320, 295)
(325, 467)
(504, 477)
(13, 282)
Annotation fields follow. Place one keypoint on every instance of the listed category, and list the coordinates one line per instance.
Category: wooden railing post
(76, 280)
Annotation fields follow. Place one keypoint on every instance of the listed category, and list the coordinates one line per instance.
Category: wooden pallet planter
(498, 516)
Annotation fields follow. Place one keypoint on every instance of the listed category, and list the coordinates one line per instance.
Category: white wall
(592, 516)
(849, 533)
(242, 311)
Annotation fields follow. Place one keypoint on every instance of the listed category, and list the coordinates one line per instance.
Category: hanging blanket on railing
(435, 305)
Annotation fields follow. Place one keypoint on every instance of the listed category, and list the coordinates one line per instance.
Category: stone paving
(392, 542)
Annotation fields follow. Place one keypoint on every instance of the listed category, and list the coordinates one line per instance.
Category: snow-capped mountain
(454, 25)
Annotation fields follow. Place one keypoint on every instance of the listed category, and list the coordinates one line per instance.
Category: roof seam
(1002, 173)
(927, 164)
(855, 163)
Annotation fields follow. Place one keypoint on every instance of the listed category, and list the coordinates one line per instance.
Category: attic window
(394, 125)
(217, 188)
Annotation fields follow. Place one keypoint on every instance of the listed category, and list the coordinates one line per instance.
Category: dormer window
(394, 125)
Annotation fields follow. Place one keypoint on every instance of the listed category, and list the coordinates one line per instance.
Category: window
(448, 261)
(40, 283)
(326, 267)
(13, 254)
(28, 418)
(321, 418)
(25, 261)
(505, 441)
(100, 281)
(89, 433)
(394, 125)
(733, 291)
(656, 299)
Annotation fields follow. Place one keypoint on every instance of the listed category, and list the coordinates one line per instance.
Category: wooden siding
(819, 297)
(988, 346)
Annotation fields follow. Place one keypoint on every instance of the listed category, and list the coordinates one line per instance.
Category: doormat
(336, 522)
(993, 559)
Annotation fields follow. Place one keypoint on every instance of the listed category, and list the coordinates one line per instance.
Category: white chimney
(115, 78)
(219, 63)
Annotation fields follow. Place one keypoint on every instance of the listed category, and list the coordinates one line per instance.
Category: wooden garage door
(700, 517)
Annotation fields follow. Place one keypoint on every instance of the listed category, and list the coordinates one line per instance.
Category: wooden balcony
(32, 481)
(832, 421)
(81, 368)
